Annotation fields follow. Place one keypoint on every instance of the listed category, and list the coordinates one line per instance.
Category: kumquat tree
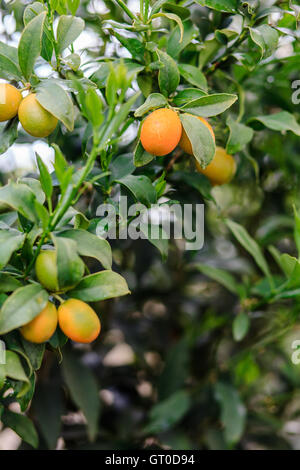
(149, 225)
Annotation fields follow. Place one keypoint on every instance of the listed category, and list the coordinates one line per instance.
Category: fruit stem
(60, 299)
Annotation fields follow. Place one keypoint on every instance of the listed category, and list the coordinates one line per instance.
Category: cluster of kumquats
(162, 131)
(35, 119)
(77, 320)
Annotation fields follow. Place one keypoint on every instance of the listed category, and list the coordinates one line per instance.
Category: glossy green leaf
(141, 188)
(22, 425)
(57, 101)
(68, 29)
(20, 198)
(141, 157)
(240, 135)
(22, 307)
(8, 283)
(210, 105)
(233, 412)
(193, 75)
(228, 6)
(90, 245)
(100, 286)
(8, 134)
(202, 142)
(282, 121)
(266, 38)
(153, 101)
(220, 275)
(30, 44)
(168, 75)
(243, 237)
(240, 326)
(70, 267)
(10, 241)
(46, 180)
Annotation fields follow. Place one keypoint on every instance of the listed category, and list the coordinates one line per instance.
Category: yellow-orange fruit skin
(78, 321)
(42, 327)
(161, 132)
(35, 119)
(221, 169)
(10, 99)
(185, 143)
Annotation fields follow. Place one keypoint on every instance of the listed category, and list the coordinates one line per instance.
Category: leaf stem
(126, 9)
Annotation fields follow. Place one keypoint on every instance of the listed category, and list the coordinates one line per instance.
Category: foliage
(195, 350)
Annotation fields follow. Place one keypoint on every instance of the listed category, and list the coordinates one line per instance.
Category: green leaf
(220, 275)
(34, 352)
(187, 95)
(68, 29)
(240, 326)
(83, 390)
(141, 188)
(153, 101)
(94, 107)
(133, 45)
(167, 413)
(22, 306)
(8, 69)
(243, 237)
(57, 101)
(118, 120)
(202, 142)
(240, 135)
(100, 286)
(73, 5)
(13, 367)
(20, 198)
(30, 44)
(193, 75)
(168, 75)
(62, 170)
(10, 241)
(121, 165)
(175, 45)
(30, 12)
(266, 38)
(8, 283)
(210, 105)
(157, 6)
(8, 134)
(233, 412)
(46, 180)
(141, 157)
(10, 52)
(282, 121)
(173, 17)
(22, 425)
(229, 6)
(70, 267)
(90, 245)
